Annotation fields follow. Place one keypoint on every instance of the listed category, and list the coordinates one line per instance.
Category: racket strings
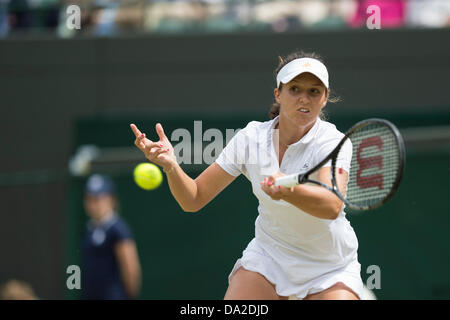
(374, 165)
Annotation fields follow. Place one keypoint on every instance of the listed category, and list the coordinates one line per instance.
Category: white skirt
(255, 258)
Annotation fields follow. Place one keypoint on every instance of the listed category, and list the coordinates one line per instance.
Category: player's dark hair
(275, 108)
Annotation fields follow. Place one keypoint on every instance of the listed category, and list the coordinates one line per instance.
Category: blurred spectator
(19, 15)
(131, 15)
(114, 17)
(86, 17)
(46, 14)
(105, 17)
(338, 14)
(281, 16)
(17, 290)
(429, 13)
(313, 11)
(33, 15)
(110, 263)
(392, 13)
(4, 23)
(178, 16)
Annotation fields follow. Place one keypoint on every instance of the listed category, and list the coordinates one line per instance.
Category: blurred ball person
(110, 262)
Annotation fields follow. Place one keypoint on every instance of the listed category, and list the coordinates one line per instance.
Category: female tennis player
(304, 247)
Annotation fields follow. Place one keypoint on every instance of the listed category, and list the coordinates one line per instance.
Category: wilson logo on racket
(374, 180)
(376, 167)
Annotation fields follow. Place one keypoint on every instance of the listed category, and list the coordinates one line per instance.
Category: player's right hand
(159, 152)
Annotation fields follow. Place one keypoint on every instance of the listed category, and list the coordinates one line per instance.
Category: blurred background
(67, 97)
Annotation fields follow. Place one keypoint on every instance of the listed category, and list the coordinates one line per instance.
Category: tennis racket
(376, 167)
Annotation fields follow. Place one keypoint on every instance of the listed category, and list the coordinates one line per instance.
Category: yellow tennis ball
(147, 176)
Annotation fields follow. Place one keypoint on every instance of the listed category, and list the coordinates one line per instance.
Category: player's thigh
(339, 291)
(249, 285)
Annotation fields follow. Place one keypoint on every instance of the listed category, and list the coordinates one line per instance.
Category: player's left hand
(275, 192)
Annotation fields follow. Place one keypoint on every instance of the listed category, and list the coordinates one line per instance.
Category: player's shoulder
(328, 132)
(119, 222)
(256, 126)
(120, 226)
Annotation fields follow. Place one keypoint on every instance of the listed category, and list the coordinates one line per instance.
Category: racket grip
(287, 181)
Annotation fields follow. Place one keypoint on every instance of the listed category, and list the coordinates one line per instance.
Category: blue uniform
(100, 273)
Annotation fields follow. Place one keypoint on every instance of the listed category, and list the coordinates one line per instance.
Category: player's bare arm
(191, 195)
(130, 268)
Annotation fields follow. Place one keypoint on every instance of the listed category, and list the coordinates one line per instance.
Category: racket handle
(287, 181)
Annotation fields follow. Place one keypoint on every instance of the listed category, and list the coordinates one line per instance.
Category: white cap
(299, 66)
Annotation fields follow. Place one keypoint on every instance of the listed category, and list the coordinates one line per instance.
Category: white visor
(299, 66)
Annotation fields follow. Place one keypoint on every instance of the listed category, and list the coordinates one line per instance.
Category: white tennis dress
(297, 252)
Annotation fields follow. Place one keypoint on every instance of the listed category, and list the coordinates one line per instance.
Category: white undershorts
(255, 258)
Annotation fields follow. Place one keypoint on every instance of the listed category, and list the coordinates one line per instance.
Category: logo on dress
(305, 166)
